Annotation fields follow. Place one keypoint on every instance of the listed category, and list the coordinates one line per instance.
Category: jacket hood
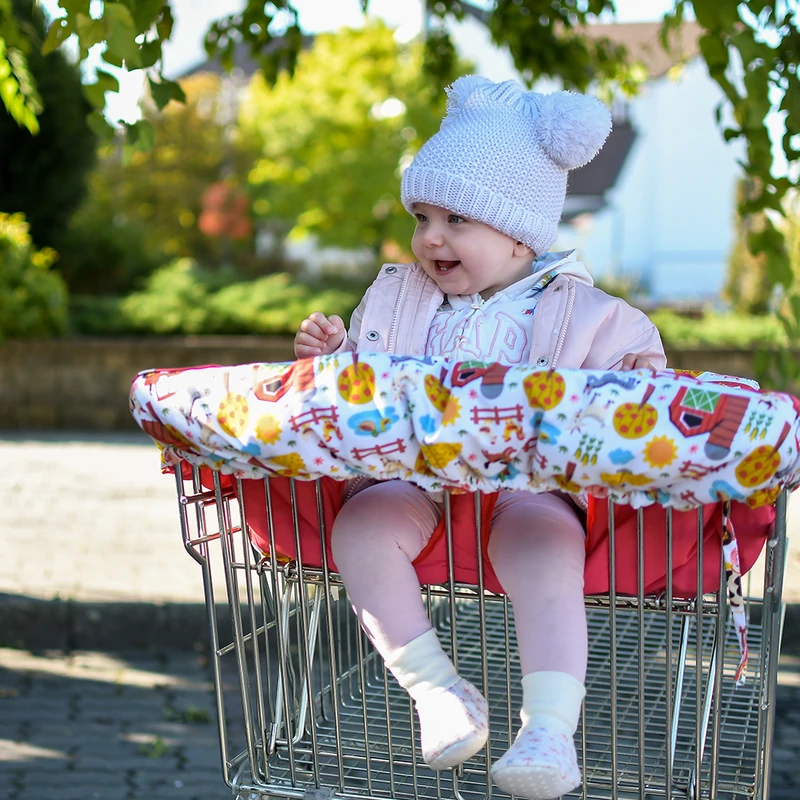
(562, 263)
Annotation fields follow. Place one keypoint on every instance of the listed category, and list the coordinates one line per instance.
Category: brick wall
(82, 384)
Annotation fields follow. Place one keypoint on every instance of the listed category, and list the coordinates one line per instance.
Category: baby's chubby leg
(376, 536)
(537, 550)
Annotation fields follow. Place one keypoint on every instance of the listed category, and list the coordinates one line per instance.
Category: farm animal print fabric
(681, 439)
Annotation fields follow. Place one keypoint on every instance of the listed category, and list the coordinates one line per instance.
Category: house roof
(593, 180)
(587, 185)
(642, 43)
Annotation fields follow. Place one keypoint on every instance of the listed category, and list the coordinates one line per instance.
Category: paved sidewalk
(91, 518)
(91, 550)
(94, 726)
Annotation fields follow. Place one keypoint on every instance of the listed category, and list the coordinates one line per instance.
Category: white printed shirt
(469, 328)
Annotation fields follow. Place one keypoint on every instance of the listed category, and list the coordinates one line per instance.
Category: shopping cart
(305, 705)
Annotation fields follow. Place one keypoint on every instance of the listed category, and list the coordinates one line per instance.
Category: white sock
(551, 700)
(422, 665)
(543, 763)
(453, 714)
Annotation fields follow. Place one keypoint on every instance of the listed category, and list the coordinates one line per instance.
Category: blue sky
(192, 18)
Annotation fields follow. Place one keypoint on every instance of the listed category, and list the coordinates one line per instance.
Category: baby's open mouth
(446, 266)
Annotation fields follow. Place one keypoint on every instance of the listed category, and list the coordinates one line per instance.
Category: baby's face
(464, 256)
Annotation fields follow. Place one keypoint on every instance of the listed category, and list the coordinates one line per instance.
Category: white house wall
(670, 217)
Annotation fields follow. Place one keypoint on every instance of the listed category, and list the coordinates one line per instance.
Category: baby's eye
(421, 217)
(455, 218)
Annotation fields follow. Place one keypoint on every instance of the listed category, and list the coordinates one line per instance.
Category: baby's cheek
(416, 247)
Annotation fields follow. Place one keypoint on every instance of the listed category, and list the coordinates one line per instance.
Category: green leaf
(99, 126)
(144, 13)
(226, 55)
(90, 31)
(75, 7)
(757, 6)
(714, 52)
(778, 267)
(108, 81)
(18, 88)
(165, 22)
(150, 53)
(95, 92)
(112, 58)
(59, 32)
(770, 242)
(750, 49)
(791, 105)
(716, 14)
(794, 302)
(164, 91)
(121, 34)
(141, 135)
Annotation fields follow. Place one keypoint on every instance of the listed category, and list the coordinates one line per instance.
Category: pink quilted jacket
(576, 326)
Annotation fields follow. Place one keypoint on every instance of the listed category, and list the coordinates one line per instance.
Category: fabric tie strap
(733, 578)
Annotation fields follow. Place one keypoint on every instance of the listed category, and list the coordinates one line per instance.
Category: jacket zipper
(390, 345)
(563, 334)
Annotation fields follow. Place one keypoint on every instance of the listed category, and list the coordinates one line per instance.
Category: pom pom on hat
(572, 127)
(459, 93)
(502, 154)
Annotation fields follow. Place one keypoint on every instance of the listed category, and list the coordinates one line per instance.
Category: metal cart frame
(306, 708)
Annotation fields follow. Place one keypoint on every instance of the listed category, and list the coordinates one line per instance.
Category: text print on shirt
(496, 337)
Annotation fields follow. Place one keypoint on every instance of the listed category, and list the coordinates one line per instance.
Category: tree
(46, 177)
(758, 41)
(33, 298)
(746, 288)
(144, 205)
(356, 105)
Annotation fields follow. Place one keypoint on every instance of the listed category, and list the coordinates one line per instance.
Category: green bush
(182, 298)
(102, 253)
(718, 330)
(33, 300)
(273, 304)
(174, 300)
(97, 315)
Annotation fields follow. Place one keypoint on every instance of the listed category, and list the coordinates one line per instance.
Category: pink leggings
(537, 552)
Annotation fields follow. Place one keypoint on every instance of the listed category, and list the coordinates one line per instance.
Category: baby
(487, 191)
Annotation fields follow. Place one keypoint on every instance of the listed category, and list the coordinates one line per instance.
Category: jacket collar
(543, 270)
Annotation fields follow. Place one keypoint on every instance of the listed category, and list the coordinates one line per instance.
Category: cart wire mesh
(306, 707)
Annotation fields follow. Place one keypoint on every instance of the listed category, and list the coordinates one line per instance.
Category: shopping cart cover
(676, 438)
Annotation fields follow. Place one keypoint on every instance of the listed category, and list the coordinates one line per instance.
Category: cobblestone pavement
(94, 726)
(786, 752)
(91, 520)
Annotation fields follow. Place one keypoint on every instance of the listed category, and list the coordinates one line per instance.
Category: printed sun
(451, 411)
(268, 430)
(660, 451)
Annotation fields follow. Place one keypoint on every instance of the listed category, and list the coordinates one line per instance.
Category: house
(656, 208)
(664, 193)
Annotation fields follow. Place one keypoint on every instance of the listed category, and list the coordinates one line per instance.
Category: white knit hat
(502, 154)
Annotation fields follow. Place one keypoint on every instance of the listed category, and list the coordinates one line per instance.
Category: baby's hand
(632, 361)
(318, 335)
